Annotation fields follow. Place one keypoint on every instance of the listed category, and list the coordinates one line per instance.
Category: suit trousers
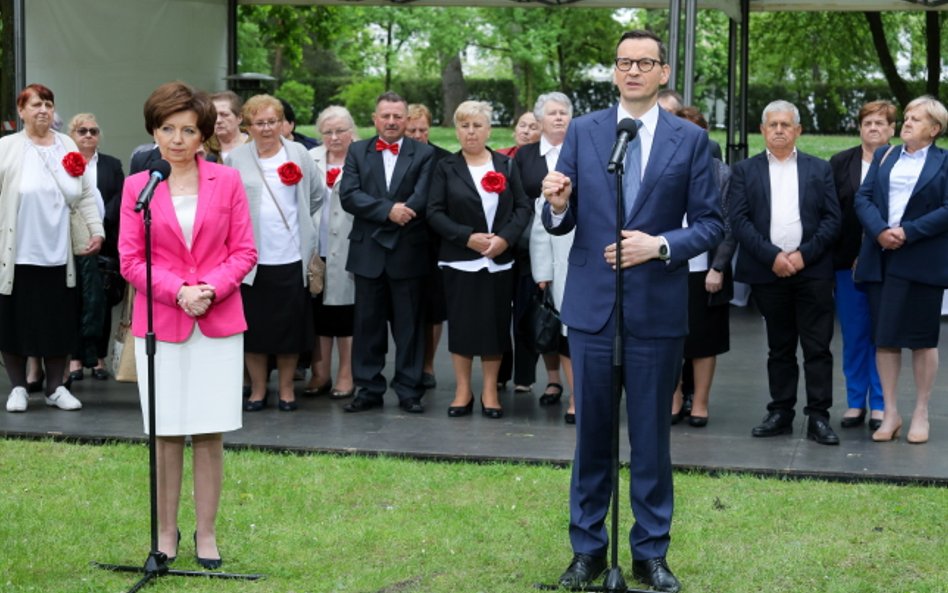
(859, 353)
(380, 301)
(798, 310)
(650, 372)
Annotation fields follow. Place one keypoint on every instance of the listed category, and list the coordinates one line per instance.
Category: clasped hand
(637, 248)
(401, 214)
(195, 300)
(93, 247)
(891, 238)
(487, 244)
(788, 264)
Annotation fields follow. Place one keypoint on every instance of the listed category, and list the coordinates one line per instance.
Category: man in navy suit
(385, 188)
(785, 216)
(668, 179)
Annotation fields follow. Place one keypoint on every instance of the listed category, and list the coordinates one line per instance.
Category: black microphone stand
(156, 565)
(613, 582)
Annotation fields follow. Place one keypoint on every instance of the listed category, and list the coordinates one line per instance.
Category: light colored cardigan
(81, 194)
(339, 284)
(309, 196)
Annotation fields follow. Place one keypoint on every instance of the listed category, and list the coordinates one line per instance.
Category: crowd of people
(410, 236)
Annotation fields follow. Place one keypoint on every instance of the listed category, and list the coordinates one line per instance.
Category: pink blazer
(222, 252)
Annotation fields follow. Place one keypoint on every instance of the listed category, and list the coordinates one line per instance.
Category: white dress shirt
(786, 228)
(902, 182)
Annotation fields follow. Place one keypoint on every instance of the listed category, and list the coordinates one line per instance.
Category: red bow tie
(381, 145)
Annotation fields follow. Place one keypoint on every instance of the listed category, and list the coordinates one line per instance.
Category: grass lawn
(324, 523)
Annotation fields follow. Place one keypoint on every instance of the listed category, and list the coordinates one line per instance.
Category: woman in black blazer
(903, 207)
(477, 205)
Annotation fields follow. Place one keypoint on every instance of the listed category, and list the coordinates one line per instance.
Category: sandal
(548, 398)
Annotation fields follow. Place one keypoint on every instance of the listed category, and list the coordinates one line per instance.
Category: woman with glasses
(97, 303)
(333, 309)
(284, 189)
(41, 180)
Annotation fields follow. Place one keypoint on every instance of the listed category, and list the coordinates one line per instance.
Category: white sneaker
(17, 400)
(62, 399)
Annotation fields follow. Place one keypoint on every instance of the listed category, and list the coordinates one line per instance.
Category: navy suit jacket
(455, 210)
(376, 244)
(678, 181)
(749, 204)
(110, 181)
(924, 256)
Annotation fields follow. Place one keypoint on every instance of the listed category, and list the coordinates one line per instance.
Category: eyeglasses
(644, 64)
(262, 125)
(336, 133)
(90, 131)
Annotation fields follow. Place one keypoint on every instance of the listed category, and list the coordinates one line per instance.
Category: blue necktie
(633, 174)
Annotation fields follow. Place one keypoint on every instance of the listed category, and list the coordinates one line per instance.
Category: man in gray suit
(385, 187)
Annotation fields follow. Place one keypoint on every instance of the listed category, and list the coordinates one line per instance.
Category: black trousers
(378, 302)
(798, 310)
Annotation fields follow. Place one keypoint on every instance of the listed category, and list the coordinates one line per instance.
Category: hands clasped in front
(195, 300)
(487, 244)
(787, 264)
(401, 214)
(891, 238)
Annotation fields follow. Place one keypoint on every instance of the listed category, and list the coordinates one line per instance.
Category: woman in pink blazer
(202, 247)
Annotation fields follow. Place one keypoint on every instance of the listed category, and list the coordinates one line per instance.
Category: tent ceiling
(729, 7)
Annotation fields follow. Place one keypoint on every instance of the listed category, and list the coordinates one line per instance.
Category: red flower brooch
(332, 175)
(289, 173)
(74, 164)
(494, 182)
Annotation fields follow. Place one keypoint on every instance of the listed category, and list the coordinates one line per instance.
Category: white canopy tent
(105, 56)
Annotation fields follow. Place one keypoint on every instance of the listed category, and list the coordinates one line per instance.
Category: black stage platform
(531, 433)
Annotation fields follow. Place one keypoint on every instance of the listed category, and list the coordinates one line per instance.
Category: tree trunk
(453, 87)
(932, 55)
(389, 33)
(896, 84)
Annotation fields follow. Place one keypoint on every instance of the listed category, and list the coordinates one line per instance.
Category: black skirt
(39, 318)
(904, 314)
(334, 321)
(478, 306)
(278, 310)
(708, 326)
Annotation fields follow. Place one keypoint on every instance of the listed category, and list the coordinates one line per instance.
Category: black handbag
(112, 282)
(542, 323)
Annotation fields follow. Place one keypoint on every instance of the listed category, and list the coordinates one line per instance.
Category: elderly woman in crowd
(477, 205)
(227, 133)
(101, 290)
(202, 247)
(903, 207)
(526, 131)
(710, 290)
(548, 254)
(284, 189)
(333, 309)
(863, 388)
(41, 180)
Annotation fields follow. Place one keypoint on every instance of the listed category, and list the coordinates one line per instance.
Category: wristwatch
(663, 251)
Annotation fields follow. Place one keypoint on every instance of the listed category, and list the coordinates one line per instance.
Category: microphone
(626, 131)
(159, 171)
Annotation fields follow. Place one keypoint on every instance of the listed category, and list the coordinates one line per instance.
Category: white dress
(197, 382)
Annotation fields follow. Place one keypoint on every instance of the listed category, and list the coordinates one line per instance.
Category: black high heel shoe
(492, 413)
(854, 421)
(177, 545)
(255, 406)
(207, 563)
(465, 410)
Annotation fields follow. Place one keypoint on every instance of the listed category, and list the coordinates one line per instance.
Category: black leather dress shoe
(818, 429)
(655, 573)
(774, 423)
(875, 424)
(428, 381)
(582, 569)
(853, 421)
(412, 405)
(361, 404)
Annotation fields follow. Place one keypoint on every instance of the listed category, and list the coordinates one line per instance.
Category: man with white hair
(785, 215)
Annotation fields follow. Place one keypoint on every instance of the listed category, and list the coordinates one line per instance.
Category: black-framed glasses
(90, 131)
(644, 64)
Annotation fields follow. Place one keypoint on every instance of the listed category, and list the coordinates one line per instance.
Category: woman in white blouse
(477, 205)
